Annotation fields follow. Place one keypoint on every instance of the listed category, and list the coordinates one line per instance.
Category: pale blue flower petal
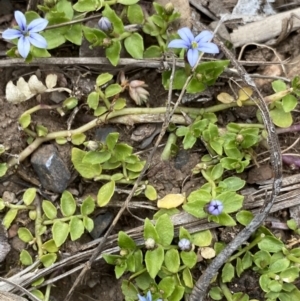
(24, 46)
(192, 56)
(21, 20)
(37, 40)
(178, 44)
(208, 48)
(141, 298)
(10, 34)
(186, 34)
(37, 25)
(149, 296)
(204, 37)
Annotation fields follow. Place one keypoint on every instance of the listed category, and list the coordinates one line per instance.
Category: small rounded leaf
(25, 235)
(29, 196)
(76, 228)
(60, 232)
(105, 193)
(48, 259)
(25, 258)
(171, 201)
(150, 193)
(67, 204)
(49, 209)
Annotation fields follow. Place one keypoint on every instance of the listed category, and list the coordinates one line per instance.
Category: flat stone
(101, 222)
(102, 133)
(50, 168)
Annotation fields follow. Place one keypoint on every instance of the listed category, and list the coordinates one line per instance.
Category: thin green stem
(247, 248)
(166, 154)
(211, 182)
(40, 107)
(225, 291)
(19, 207)
(38, 225)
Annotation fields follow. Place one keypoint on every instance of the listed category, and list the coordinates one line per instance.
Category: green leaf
(65, 7)
(279, 265)
(86, 5)
(244, 217)
(3, 169)
(67, 204)
(9, 217)
(270, 244)
(247, 260)
(281, 118)
(178, 292)
(119, 104)
(113, 90)
(78, 139)
(111, 140)
(135, 14)
(195, 86)
(74, 34)
(112, 53)
(48, 259)
(86, 170)
(234, 183)
(224, 219)
(289, 103)
(262, 259)
(105, 193)
(278, 85)
(88, 223)
(189, 258)
(217, 171)
(93, 100)
(152, 52)
(154, 260)
(54, 39)
(150, 193)
(76, 228)
(202, 239)
(216, 293)
(134, 45)
(184, 233)
(292, 224)
(114, 19)
(88, 206)
(187, 278)
(25, 235)
(25, 258)
(166, 286)
(38, 294)
(227, 272)
(50, 246)
(29, 196)
(129, 290)
(25, 120)
(172, 260)
(125, 241)
(96, 157)
(103, 79)
(165, 229)
(290, 275)
(127, 2)
(231, 201)
(150, 230)
(60, 232)
(49, 209)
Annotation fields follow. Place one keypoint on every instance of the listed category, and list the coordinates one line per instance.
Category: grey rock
(4, 245)
(58, 97)
(101, 222)
(181, 159)
(102, 133)
(50, 168)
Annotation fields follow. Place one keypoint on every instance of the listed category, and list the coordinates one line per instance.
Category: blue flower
(104, 24)
(27, 34)
(184, 244)
(147, 298)
(215, 207)
(194, 44)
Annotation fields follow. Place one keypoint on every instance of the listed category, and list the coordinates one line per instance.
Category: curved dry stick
(202, 284)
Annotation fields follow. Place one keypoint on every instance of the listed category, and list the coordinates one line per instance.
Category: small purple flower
(104, 24)
(194, 44)
(147, 298)
(27, 34)
(184, 244)
(215, 207)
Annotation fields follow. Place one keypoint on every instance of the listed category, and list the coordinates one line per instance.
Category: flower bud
(215, 207)
(91, 145)
(184, 244)
(105, 25)
(150, 243)
(137, 91)
(169, 8)
(106, 42)
(123, 252)
(239, 138)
